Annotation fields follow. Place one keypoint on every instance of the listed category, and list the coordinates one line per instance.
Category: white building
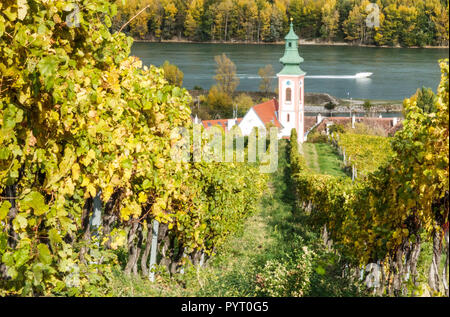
(287, 112)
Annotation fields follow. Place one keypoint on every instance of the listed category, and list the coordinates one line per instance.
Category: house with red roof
(225, 124)
(287, 112)
(261, 116)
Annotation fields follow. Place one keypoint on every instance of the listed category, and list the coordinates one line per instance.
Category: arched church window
(290, 44)
(288, 117)
(288, 94)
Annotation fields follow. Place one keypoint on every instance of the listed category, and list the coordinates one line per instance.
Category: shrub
(244, 102)
(317, 138)
(339, 128)
(367, 105)
(330, 106)
(219, 103)
(173, 74)
(287, 277)
(362, 128)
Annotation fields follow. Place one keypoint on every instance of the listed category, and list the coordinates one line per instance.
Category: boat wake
(356, 76)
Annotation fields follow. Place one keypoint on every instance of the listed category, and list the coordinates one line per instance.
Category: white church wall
(231, 123)
(250, 121)
(287, 105)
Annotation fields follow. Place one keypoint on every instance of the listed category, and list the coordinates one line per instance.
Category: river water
(396, 72)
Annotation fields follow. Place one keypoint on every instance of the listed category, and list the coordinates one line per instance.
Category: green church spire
(291, 59)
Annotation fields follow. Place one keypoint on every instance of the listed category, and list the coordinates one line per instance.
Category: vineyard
(83, 124)
(90, 189)
(364, 152)
(386, 217)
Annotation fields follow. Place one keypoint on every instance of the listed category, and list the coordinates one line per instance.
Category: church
(286, 113)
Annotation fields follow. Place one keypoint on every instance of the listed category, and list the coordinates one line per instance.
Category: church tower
(291, 79)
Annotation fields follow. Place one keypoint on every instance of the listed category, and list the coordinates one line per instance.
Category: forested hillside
(402, 22)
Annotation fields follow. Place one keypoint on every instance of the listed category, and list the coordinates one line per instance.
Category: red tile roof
(384, 123)
(395, 128)
(309, 122)
(221, 122)
(267, 112)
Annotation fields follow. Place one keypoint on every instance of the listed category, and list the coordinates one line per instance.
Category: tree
(173, 74)
(278, 21)
(219, 103)
(243, 102)
(267, 74)
(440, 19)
(137, 27)
(169, 14)
(226, 78)
(264, 11)
(367, 105)
(193, 18)
(330, 20)
(355, 27)
(402, 22)
(222, 12)
(426, 100)
(307, 17)
(330, 106)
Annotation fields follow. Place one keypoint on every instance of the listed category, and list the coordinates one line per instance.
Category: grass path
(275, 234)
(266, 236)
(232, 271)
(322, 158)
(310, 153)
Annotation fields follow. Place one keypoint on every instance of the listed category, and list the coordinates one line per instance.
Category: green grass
(322, 158)
(310, 153)
(278, 232)
(329, 161)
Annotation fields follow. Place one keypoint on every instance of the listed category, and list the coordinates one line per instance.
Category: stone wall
(387, 124)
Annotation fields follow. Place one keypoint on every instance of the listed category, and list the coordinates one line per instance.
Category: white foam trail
(356, 76)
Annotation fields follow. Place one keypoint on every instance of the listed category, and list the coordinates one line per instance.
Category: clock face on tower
(288, 83)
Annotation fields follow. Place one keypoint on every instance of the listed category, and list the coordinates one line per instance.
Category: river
(396, 72)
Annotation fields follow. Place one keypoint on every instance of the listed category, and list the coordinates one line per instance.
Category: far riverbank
(323, 103)
(302, 42)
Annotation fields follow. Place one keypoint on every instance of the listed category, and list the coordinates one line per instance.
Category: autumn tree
(440, 19)
(219, 103)
(193, 18)
(426, 100)
(278, 21)
(173, 74)
(131, 13)
(243, 103)
(264, 11)
(222, 12)
(267, 74)
(330, 20)
(306, 15)
(226, 78)
(355, 27)
(402, 22)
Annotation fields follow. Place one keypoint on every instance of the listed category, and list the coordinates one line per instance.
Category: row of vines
(386, 216)
(364, 152)
(84, 127)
